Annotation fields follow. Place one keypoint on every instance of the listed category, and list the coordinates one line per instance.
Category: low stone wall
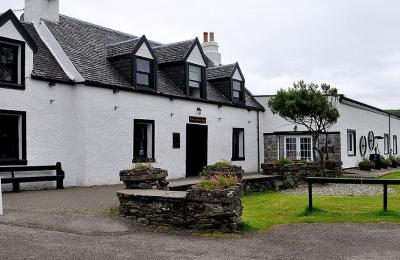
(258, 183)
(196, 209)
(153, 178)
(210, 171)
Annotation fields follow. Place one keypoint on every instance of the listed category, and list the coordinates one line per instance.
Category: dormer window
(195, 81)
(237, 91)
(144, 73)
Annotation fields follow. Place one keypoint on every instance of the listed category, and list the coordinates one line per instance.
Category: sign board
(198, 120)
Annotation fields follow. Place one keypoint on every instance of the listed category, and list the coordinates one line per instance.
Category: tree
(310, 105)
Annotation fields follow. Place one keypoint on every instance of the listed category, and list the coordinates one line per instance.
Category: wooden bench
(16, 180)
(383, 182)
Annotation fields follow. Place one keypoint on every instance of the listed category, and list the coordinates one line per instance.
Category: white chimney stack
(210, 48)
(35, 10)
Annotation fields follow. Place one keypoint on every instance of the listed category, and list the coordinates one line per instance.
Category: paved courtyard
(71, 224)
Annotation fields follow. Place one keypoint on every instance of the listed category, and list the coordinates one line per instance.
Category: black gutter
(258, 142)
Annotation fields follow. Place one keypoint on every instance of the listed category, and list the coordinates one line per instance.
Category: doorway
(196, 149)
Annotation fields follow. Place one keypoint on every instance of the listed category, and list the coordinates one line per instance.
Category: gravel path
(356, 173)
(340, 189)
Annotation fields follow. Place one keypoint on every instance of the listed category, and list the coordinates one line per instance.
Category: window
(195, 81)
(237, 92)
(176, 140)
(386, 144)
(12, 56)
(298, 148)
(12, 138)
(143, 150)
(394, 144)
(238, 144)
(144, 73)
(351, 142)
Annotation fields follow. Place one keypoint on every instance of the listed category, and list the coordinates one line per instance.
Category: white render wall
(351, 117)
(82, 129)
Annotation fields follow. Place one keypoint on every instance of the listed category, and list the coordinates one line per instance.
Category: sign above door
(198, 120)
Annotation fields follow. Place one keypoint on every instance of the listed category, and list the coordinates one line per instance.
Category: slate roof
(88, 46)
(122, 48)
(173, 52)
(220, 72)
(44, 63)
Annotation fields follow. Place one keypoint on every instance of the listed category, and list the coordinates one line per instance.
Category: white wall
(352, 117)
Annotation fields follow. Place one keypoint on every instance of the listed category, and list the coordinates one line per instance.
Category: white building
(98, 100)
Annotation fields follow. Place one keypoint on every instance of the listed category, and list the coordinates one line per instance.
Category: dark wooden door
(196, 149)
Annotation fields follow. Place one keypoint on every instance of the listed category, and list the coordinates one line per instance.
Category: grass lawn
(266, 209)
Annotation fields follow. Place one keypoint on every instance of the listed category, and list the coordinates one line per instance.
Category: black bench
(383, 182)
(15, 180)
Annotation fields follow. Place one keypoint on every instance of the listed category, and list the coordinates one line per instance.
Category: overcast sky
(353, 45)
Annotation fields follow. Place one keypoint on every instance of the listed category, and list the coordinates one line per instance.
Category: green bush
(283, 162)
(220, 165)
(366, 165)
(385, 163)
(142, 166)
(395, 161)
(218, 182)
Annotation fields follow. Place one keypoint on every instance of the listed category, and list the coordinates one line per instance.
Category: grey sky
(353, 45)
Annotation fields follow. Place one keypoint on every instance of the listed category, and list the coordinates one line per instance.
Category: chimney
(205, 36)
(35, 10)
(210, 48)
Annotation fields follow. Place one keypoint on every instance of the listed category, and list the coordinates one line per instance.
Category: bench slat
(28, 168)
(32, 179)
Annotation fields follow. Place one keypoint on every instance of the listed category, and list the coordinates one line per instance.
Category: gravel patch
(340, 189)
(357, 173)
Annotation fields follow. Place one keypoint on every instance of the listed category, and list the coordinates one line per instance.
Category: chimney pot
(211, 36)
(205, 36)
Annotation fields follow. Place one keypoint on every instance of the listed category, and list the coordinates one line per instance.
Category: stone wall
(196, 209)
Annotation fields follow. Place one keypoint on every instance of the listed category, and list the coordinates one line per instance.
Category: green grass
(266, 209)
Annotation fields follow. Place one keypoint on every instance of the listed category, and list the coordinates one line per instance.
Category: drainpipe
(258, 141)
(390, 135)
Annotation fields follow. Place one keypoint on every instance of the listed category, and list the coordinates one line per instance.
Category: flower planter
(210, 171)
(154, 178)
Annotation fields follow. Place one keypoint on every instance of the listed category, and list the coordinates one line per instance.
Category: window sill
(13, 162)
(143, 160)
(12, 86)
(238, 159)
(351, 155)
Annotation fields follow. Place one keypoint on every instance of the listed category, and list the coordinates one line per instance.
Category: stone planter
(154, 178)
(210, 171)
(218, 209)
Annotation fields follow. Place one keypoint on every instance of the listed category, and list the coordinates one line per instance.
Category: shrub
(395, 161)
(218, 182)
(220, 165)
(385, 163)
(283, 162)
(366, 165)
(142, 166)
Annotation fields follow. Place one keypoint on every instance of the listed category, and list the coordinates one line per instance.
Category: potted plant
(144, 176)
(224, 168)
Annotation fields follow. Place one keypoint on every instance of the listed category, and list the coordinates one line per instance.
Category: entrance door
(196, 149)
(298, 148)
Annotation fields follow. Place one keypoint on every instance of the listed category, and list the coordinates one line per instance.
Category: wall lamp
(172, 114)
(295, 128)
(52, 101)
(52, 84)
(115, 91)
(116, 107)
(199, 110)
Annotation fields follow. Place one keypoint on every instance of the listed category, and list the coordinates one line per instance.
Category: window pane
(194, 92)
(143, 65)
(305, 148)
(238, 144)
(8, 60)
(195, 73)
(143, 140)
(194, 84)
(236, 94)
(142, 79)
(9, 137)
(291, 148)
(237, 86)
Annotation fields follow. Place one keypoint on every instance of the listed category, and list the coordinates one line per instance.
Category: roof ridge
(174, 43)
(95, 25)
(224, 65)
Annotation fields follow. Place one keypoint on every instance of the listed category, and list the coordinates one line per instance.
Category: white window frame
(394, 144)
(351, 142)
(386, 143)
(298, 147)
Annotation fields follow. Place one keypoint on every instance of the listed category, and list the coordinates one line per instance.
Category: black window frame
(20, 64)
(176, 140)
(395, 151)
(349, 131)
(151, 74)
(136, 157)
(386, 144)
(202, 83)
(236, 157)
(241, 94)
(22, 139)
